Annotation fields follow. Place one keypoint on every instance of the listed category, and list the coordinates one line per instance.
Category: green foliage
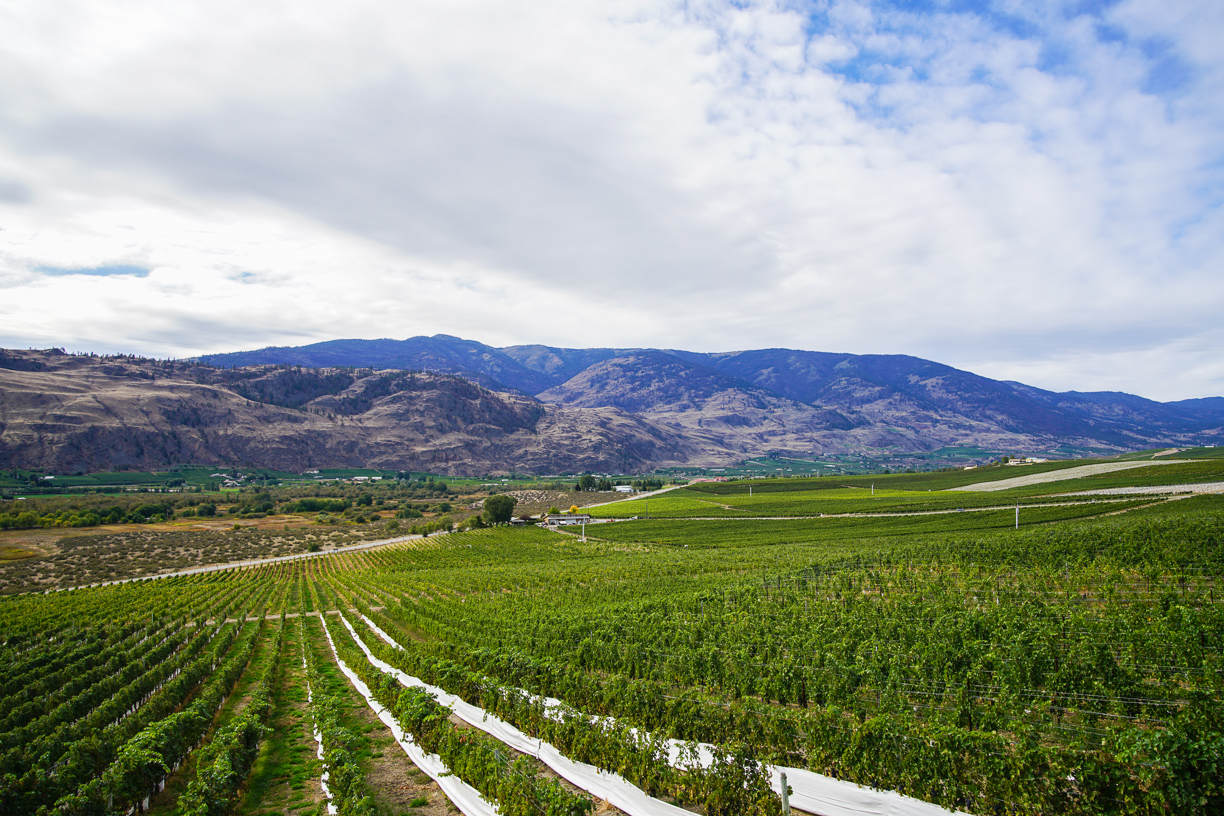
(346, 778)
(317, 505)
(481, 761)
(1073, 666)
(499, 509)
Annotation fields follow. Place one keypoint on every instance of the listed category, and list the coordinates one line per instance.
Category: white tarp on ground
(810, 791)
(318, 738)
(464, 796)
(617, 790)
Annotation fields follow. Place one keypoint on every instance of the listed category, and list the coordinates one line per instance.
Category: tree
(499, 509)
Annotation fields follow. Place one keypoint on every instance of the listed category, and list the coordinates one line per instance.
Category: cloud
(14, 192)
(96, 271)
(1014, 187)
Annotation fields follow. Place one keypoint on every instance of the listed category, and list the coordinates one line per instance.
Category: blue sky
(1026, 190)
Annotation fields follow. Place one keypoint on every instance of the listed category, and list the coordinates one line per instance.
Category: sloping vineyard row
(74, 751)
(1035, 687)
(1073, 668)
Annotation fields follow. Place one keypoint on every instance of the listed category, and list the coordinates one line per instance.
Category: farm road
(1060, 475)
(1205, 487)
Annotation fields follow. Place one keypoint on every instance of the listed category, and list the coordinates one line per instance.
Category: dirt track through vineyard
(1060, 475)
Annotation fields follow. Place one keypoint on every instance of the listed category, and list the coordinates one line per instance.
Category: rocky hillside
(62, 413)
(456, 406)
(787, 400)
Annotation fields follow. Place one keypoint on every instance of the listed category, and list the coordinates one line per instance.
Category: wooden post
(785, 797)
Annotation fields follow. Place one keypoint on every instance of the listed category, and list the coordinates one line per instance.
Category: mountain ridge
(63, 413)
(923, 401)
(460, 407)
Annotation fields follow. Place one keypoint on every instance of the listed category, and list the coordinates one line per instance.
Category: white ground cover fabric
(462, 795)
(318, 738)
(614, 788)
(810, 791)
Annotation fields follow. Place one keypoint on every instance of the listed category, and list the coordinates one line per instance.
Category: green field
(902, 493)
(1073, 665)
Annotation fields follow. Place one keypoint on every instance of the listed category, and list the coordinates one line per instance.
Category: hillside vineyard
(1073, 666)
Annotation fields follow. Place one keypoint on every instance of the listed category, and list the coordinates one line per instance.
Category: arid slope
(62, 413)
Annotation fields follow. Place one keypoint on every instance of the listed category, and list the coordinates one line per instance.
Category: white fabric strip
(617, 790)
(464, 796)
(810, 791)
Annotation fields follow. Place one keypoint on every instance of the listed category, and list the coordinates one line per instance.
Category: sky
(1027, 190)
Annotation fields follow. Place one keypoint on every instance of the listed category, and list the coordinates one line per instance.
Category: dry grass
(82, 557)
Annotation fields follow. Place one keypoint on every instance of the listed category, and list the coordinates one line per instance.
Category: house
(566, 519)
(623, 488)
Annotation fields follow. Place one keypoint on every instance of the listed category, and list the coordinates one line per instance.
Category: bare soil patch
(82, 557)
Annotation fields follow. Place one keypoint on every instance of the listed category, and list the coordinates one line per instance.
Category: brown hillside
(63, 413)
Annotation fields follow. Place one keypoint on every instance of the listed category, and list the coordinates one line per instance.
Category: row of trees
(589, 483)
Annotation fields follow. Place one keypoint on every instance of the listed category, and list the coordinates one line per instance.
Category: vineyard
(662, 665)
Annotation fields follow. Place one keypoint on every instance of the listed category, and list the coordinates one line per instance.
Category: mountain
(442, 352)
(942, 401)
(64, 413)
(702, 401)
(787, 400)
(1205, 409)
(452, 405)
(561, 364)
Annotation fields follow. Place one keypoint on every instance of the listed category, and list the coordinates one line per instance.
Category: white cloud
(839, 176)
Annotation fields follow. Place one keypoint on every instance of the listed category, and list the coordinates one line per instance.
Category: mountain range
(785, 399)
(455, 406)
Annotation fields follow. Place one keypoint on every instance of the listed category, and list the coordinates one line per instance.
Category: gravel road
(1060, 475)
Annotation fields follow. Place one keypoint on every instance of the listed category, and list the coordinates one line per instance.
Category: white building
(566, 519)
